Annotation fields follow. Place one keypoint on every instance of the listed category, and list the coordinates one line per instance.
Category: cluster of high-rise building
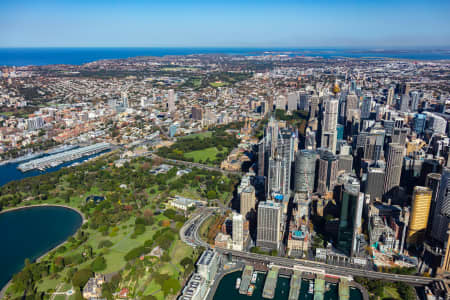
(371, 164)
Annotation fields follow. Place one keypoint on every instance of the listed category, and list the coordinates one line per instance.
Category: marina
(283, 290)
(62, 157)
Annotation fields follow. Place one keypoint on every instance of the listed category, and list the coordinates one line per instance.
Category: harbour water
(30, 233)
(227, 289)
(78, 56)
(9, 171)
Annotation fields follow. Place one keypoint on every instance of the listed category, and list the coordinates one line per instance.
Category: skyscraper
(248, 201)
(281, 102)
(350, 217)
(366, 107)
(414, 101)
(292, 101)
(345, 163)
(305, 168)
(373, 146)
(280, 161)
(440, 216)
(419, 123)
(418, 219)
(262, 158)
(375, 183)
(330, 114)
(404, 103)
(304, 101)
(432, 181)
(446, 260)
(285, 150)
(393, 166)
(399, 135)
(269, 233)
(171, 101)
(390, 96)
(350, 106)
(329, 121)
(327, 173)
(238, 232)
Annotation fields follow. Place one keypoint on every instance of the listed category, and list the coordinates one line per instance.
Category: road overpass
(329, 269)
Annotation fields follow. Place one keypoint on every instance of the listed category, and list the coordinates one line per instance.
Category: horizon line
(378, 48)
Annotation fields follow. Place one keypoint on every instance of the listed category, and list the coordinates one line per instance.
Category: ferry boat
(254, 277)
(251, 289)
(238, 282)
(311, 287)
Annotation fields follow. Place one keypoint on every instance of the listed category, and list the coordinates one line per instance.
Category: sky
(232, 23)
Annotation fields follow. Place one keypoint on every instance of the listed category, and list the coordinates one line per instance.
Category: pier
(271, 283)
(246, 278)
(319, 287)
(296, 284)
(344, 290)
(59, 158)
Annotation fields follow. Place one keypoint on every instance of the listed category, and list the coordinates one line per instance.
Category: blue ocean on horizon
(78, 56)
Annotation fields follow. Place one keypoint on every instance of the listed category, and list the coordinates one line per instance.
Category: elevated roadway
(189, 233)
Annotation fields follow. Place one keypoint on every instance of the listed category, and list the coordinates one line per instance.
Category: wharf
(344, 290)
(296, 284)
(271, 283)
(245, 281)
(61, 157)
(319, 287)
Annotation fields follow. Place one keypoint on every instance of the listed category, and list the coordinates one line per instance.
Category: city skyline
(347, 24)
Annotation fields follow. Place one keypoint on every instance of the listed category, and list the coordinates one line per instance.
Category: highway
(189, 234)
(329, 269)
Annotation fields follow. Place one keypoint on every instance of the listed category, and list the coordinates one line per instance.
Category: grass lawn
(60, 297)
(151, 288)
(48, 284)
(200, 135)
(180, 251)
(202, 154)
(390, 292)
(115, 257)
(218, 83)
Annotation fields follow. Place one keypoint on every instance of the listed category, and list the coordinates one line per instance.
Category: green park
(131, 235)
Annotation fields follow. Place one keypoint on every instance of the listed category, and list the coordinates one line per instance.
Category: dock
(319, 287)
(245, 280)
(344, 290)
(61, 157)
(270, 284)
(295, 285)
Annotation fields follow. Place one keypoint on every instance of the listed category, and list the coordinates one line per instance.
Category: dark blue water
(227, 289)
(9, 172)
(30, 233)
(78, 56)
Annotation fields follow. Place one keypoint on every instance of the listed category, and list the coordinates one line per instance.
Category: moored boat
(254, 277)
(251, 289)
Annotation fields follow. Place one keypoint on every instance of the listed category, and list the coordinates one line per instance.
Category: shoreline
(46, 205)
(83, 220)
